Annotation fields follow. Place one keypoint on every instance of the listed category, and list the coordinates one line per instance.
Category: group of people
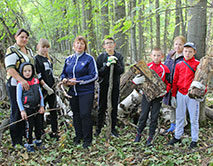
(31, 82)
(177, 72)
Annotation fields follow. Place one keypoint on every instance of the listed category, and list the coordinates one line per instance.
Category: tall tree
(197, 26)
(177, 18)
(104, 18)
(157, 5)
(133, 31)
(120, 36)
(166, 23)
(151, 26)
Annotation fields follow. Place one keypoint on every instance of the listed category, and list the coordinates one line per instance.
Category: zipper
(74, 86)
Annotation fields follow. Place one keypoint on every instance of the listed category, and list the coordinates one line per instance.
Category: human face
(178, 46)
(156, 56)
(43, 50)
(79, 46)
(109, 45)
(22, 39)
(188, 53)
(27, 71)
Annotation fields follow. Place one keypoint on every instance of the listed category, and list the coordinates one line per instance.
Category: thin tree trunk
(157, 5)
(120, 36)
(151, 30)
(177, 19)
(165, 32)
(104, 18)
(133, 31)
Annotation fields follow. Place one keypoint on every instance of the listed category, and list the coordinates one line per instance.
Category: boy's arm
(119, 66)
(175, 80)
(42, 98)
(19, 97)
(101, 65)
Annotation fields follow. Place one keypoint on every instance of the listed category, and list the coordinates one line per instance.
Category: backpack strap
(189, 66)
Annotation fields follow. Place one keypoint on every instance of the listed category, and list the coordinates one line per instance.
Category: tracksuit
(83, 68)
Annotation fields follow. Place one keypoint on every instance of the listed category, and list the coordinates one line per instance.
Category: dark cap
(190, 44)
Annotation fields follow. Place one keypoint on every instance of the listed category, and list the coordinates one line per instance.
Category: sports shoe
(115, 133)
(137, 138)
(54, 135)
(38, 143)
(86, 145)
(172, 128)
(149, 141)
(193, 145)
(174, 141)
(29, 147)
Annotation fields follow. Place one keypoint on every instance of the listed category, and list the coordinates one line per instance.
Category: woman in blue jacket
(80, 73)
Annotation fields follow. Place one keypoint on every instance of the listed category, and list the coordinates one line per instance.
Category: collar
(19, 48)
(192, 59)
(156, 63)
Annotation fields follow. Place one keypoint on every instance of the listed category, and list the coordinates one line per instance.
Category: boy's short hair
(190, 44)
(108, 38)
(157, 49)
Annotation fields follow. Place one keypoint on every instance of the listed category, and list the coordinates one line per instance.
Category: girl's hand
(41, 110)
(71, 81)
(23, 115)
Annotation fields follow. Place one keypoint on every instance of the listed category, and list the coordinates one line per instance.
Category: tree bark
(177, 18)
(157, 5)
(120, 36)
(165, 32)
(151, 30)
(104, 18)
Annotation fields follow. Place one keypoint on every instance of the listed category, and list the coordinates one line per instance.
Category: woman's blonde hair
(182, 38)
(44, 42)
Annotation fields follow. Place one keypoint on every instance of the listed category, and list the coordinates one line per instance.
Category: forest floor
(118, 151)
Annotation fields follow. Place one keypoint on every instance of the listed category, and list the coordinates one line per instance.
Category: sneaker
(86, 145)
(149, 141)
(115, 133)
(174, 141)
(172, 128)
(38, 143)
(29, 147)
(54, 135)
(97, 133)
(76, 140)
(137, 138)
(193, 145)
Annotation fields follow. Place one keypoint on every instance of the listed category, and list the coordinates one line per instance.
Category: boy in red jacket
(154, 105)
(183, 77)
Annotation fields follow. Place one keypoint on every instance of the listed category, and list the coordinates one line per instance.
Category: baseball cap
(190, 44)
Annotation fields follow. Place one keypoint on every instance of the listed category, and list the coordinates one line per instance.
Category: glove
(138, 79)
(111, 58)
(173, 102)
(48, 89)
(162, 94)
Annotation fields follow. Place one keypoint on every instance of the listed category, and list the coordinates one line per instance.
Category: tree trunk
(151, 30)
(197, 26)
(84, 16)
(133, 31)
(104, 18)
(197, 34)
(165, 32)
(177, 18)
(157, 23)
(120, 36)
(141, 45)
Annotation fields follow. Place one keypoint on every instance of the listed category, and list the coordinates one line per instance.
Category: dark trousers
(51, 100)
(16, 130)
(30, 123)
(153, 106)
(103, 106)
(82, 107)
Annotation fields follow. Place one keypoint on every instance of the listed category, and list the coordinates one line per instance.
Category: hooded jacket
(33, 97)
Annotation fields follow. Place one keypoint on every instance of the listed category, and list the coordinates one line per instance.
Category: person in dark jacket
(29, 102)
(104, 61)
(44, 69)
(80, 73)
(172, 59)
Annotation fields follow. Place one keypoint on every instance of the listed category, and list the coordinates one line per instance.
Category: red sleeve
(175, 80)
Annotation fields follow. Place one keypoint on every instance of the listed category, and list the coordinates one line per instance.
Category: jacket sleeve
(41, 97)
(63, 74)
(175, 80)
(19, 97)
(167, 80)
(119, 66)
(101, 65)
(92, 73)
(38, 68)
